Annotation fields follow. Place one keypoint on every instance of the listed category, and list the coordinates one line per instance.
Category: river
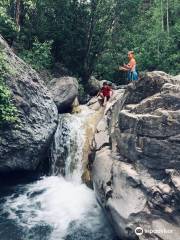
(59, 206)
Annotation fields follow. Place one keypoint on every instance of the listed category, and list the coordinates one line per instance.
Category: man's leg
(101, 95)
(105, 101)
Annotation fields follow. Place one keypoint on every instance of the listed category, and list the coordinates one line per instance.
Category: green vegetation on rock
(8, 112)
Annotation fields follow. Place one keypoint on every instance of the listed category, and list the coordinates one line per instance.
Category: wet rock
(64, 91)
(24, 146)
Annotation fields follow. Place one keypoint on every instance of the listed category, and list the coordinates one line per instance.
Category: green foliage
(7, 25)
(138, 27)
(94, 36)
(8, 112)
(39, 57)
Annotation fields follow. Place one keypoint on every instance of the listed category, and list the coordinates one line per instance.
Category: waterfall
(58, 207)
(67, 147)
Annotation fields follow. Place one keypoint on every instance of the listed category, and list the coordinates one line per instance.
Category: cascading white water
(57, 207)
(67, 147)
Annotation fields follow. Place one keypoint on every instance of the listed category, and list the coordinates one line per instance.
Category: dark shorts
(108, 97)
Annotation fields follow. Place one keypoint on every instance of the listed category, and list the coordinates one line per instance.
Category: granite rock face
(64, 91)
(23, 146)
(136, 173)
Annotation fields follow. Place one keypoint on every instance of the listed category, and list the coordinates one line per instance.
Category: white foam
(59, 203)
(67, 147)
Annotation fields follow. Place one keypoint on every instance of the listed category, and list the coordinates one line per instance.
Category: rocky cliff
(136, 172)
(24, 145)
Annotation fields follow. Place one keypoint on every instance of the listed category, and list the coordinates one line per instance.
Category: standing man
(130, 68)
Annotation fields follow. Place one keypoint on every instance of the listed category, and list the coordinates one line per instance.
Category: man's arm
(111, 93)
(123, 68)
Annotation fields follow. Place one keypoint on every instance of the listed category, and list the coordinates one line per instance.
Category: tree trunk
(167, 16)
(162, 16)
(17, 13)
(158, 52)
(86, 68)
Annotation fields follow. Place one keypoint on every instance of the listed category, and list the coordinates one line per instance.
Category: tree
(94, 36)
(167, 16)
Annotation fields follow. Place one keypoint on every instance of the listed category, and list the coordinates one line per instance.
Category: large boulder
(64, 91)
(93, 86)
(136, 173)
(24, 146)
